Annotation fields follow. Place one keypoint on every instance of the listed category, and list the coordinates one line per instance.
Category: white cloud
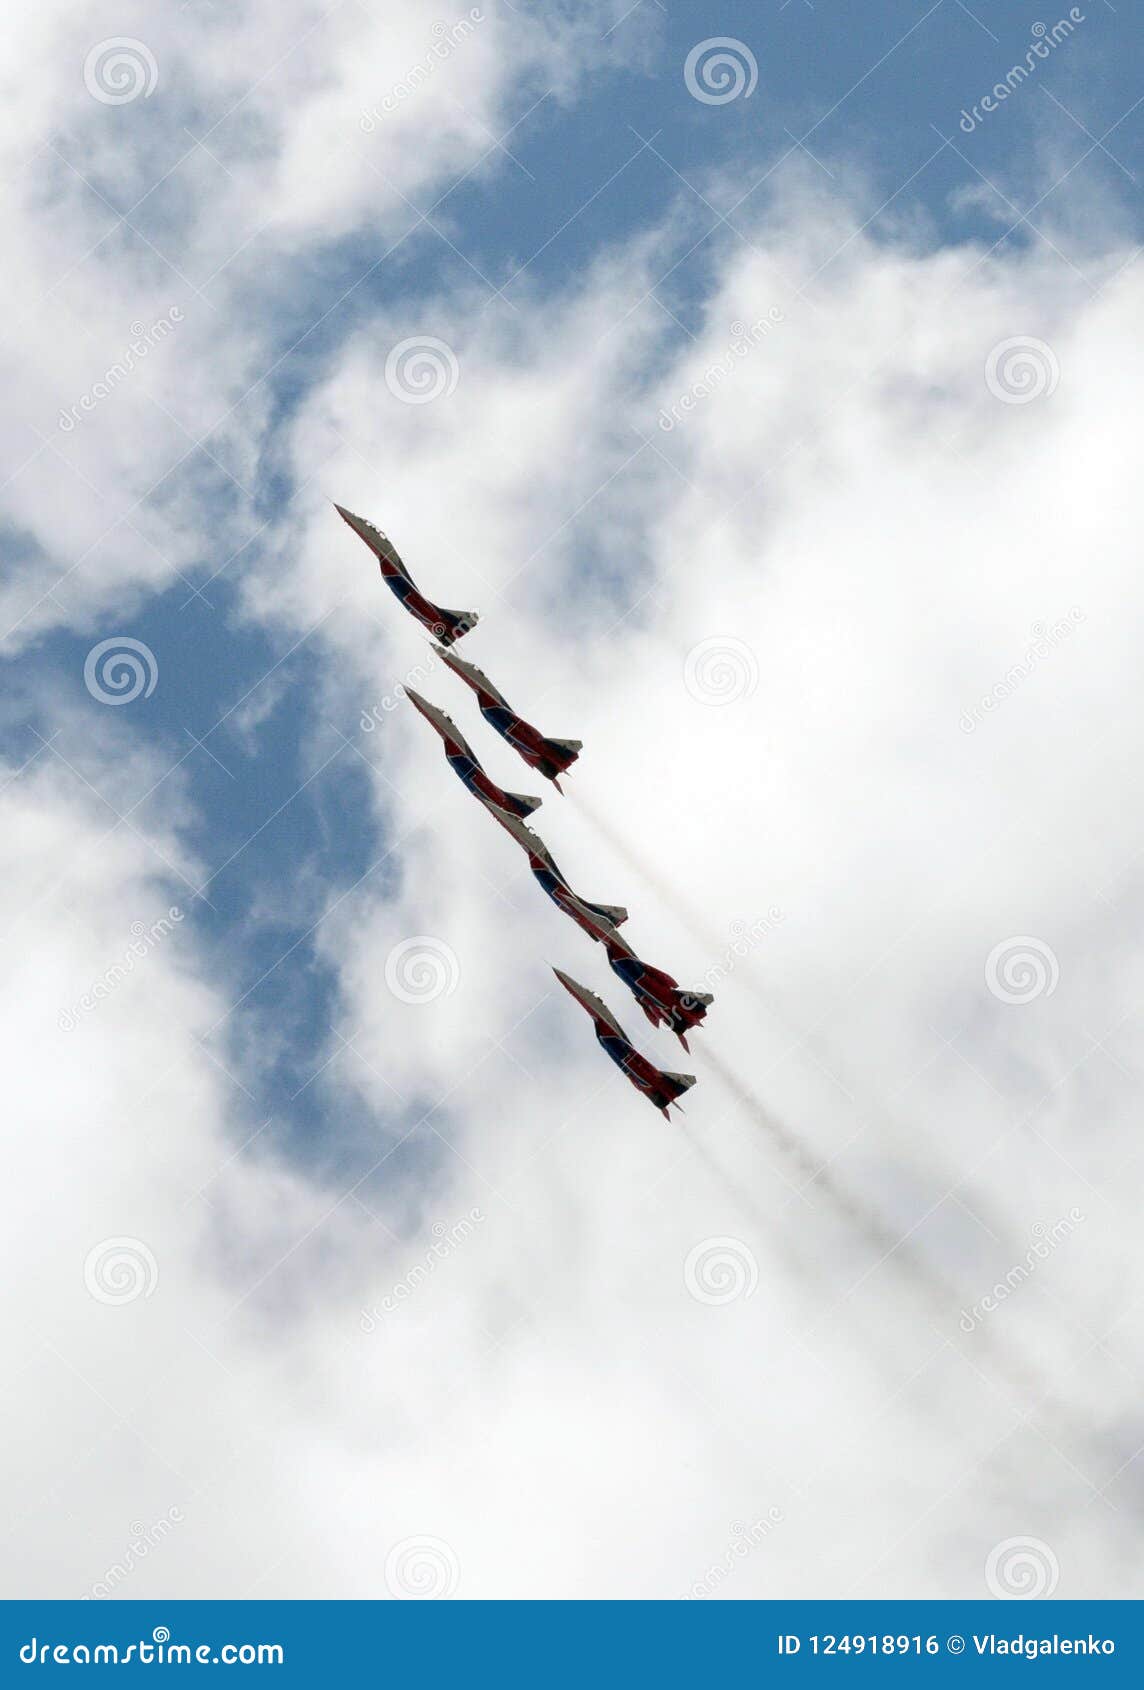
(882, 533)
(195, 202)
(888, 538)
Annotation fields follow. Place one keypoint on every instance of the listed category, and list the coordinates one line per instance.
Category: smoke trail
(803, 1158)
(722, 1176)
(1020, 1372)
(813, 1173)
(687, 917)
(810, 1170)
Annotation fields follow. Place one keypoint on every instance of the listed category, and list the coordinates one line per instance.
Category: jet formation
(658, 994)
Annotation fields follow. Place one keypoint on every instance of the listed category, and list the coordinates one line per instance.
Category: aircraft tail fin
(455, 624)
(615, 913)
(679, 1082)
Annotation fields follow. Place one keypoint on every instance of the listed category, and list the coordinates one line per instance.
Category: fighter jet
(661, 998)
(459, 756)
(659, 1085)
(447, 625)
(595, 919)
(550, 757)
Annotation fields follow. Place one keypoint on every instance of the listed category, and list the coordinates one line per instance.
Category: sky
(766, 378)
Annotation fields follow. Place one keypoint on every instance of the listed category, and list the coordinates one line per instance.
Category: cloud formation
(182, 206)
(725, 1357)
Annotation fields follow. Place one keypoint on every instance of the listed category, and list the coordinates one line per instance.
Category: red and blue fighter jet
(595, 919)
(459, 756)
(447, 625)
(549, 757)
(659, 1085)
(661, 998)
